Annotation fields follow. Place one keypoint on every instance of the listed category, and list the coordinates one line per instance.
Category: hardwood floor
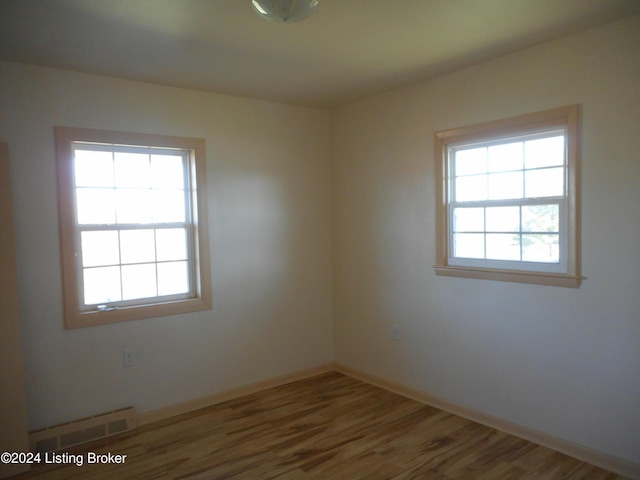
(327, 427)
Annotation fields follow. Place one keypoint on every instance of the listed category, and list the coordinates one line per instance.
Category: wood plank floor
(328, 427)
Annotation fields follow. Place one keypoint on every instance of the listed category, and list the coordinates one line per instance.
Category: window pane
(503, 246)
(540, 248)
(505, 157)
(468, 220)
(100, 248)
(503, 219)
(167, 171)
(471, 161)
(540, 218)
(138, 281)
(505, 185)
(468, 245)
(548, 182)
(171, 244)
(544, 152)
(168, 206)
(134, 206)
(93, 169)
(101, 285)
(137, 246)
(95, 206)
(471, 188)
(132, 170)
(173, 278)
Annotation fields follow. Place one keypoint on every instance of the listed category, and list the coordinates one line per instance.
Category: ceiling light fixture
(285, 11)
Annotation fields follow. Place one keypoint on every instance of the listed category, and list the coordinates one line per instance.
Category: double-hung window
(133, 225)
(507, 199)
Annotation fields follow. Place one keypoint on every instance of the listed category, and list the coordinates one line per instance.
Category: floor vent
(83, 431)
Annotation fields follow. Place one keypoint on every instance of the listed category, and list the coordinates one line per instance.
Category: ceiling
(348, 50)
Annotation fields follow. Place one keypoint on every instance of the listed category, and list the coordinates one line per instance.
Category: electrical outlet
(395, 331)
(129, 356)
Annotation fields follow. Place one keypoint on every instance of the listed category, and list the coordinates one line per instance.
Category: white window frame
(566, 272)
(77, 314)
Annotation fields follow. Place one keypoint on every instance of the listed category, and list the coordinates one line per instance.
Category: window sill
(138, 312)
(536, 278)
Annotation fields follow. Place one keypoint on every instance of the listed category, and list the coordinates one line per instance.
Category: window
(133, 225)
(507, 200)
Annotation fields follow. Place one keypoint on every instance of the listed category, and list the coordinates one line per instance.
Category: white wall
(268, 180)
(562, 361)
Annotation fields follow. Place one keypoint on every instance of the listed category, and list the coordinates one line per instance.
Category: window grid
(485, 199)
(119, 228)
(516, 232)
(120, 264)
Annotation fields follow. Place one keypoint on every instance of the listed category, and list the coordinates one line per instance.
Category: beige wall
(13, 402)
(562, 361)
(268, 175)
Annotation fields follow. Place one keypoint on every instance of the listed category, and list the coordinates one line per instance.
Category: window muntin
(133, 215)
(507, 199)
(133, 225)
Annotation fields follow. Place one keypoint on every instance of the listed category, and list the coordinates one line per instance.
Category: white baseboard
(580, 452)
(215, 398)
